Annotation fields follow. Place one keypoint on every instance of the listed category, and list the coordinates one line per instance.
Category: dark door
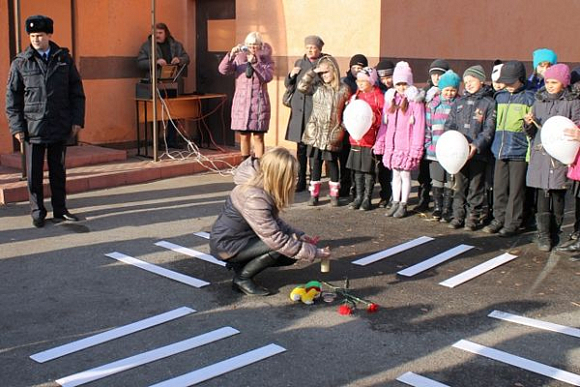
(209, 80)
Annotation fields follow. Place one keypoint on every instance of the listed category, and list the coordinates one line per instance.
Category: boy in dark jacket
(474, 116)
(509, 147)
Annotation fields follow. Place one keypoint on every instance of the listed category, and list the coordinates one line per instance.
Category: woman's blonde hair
(253, 38)
(277, 176)
(333, 66)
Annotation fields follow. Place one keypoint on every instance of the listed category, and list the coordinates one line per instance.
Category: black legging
(331, 166)
(256, 248)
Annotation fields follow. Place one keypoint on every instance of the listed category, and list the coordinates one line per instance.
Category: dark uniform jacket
(44, 101)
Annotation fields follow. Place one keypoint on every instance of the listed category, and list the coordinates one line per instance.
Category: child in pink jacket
(401, 137)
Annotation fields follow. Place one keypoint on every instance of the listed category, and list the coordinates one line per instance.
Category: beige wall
(122, 27)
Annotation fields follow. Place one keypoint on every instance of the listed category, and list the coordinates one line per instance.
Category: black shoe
(507, 232)
(67, 216)
(422, 207)
(38, 223)
(355, 204)
(249, 287)
(313, 201)
(455, 224)
(493, 228)
(383, 203)
(366, 205)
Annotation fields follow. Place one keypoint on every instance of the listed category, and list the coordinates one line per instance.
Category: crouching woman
(249, 233)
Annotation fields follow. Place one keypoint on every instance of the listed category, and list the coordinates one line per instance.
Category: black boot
(423, 195)
(243, 280)
(447, 212)
(369, 180)
(543, 239)
(556, 228)
(359, 182)
(437, 203)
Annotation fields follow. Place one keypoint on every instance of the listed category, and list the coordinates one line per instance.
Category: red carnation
(344, 309)
(372, 308)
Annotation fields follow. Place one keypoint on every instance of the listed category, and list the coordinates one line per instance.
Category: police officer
(45, 105)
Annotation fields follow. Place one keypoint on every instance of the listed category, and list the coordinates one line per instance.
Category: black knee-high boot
(368, 193)
(359, 182)
(243, 279)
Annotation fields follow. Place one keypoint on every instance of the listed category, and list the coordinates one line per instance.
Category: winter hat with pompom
(403, 74)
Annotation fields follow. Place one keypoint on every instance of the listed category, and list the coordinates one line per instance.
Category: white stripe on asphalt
(146, 357)
(112, 334)
(222, 367)
(434, 261)
(526, 364)
(392, 251)
(548, 326)
(190, 252)
(478, 270)
(191, 281)
(415, 380)
(202, 234)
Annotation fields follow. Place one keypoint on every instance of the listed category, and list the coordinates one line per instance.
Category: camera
(245, 49)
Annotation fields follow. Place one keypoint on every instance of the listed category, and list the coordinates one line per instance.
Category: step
(76, 156)
(131, 171)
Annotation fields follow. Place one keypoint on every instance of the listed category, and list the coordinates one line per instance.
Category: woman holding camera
(253, 68)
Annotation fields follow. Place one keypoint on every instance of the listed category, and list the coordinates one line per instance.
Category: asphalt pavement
(58, 286)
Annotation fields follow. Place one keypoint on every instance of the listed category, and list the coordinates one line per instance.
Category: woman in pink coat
(253, 68)
(401, 138)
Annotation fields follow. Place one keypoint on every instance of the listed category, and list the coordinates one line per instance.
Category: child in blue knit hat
(543, 58)
(437, 110)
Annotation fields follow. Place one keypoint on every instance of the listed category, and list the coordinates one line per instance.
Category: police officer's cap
(39, 23)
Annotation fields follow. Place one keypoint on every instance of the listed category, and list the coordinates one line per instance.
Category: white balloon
(358, 118)
(555, 143)
(452, 151)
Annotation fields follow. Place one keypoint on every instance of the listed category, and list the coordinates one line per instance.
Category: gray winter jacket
(324, 129)
(249, 212)
(44, 101)
(544, 171)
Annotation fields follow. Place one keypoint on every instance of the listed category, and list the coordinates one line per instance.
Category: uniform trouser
(509, 192)
(469, 190)
(56, 153)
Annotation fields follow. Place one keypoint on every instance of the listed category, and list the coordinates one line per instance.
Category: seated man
(169, 51)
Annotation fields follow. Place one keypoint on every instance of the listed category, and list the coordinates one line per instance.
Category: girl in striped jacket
(439, 100)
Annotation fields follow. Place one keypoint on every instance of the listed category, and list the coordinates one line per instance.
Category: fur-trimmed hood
(432, 93)
(412, 94)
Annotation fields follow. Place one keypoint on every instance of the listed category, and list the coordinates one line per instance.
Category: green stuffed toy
(306, 293)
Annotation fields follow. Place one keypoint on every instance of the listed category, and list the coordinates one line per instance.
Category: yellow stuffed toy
(306, 293)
